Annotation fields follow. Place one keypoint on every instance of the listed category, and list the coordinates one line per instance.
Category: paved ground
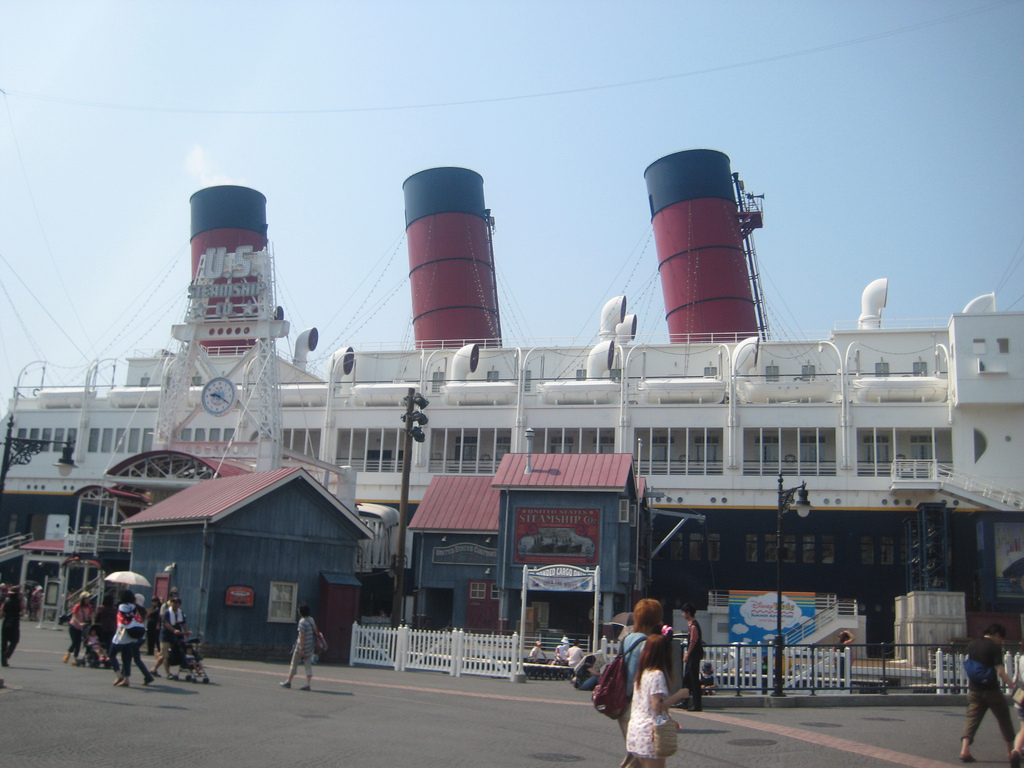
(52, 716)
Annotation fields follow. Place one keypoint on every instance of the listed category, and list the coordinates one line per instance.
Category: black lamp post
(413, 418)
(789, 498)
(20, 450)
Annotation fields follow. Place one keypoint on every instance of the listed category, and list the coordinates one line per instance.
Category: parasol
(625, 619)
(128, 577)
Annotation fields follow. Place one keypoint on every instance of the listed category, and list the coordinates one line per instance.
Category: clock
(218, 396)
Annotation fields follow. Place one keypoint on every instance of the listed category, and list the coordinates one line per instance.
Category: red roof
(44, 545)
(221, 468)
(458, 503)
(608, 471)
(215, 499)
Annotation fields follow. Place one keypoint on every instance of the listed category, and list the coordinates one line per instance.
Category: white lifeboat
(304, 395)
(593, 390)
(899, 389)
(61, 397)
(798, 390)
(687, 389)
(134, 397)
(380, 395)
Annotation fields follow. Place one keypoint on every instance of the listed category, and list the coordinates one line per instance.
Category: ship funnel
(227, 220)
(451, 263)
(986, 303)
(701, 258)
(872, 302)
(305, 344)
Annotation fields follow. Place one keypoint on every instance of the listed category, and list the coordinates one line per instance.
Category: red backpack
(610, 697)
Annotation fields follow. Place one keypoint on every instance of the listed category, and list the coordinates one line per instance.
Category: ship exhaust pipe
(451, 262)
(701, 259)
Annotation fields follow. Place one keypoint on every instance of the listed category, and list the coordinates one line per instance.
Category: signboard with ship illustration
(547, 535)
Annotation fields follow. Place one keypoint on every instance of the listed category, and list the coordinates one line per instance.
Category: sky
(887, 139)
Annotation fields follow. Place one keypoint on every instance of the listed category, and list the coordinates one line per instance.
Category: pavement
(54, 715)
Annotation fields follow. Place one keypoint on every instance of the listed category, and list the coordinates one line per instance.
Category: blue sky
(886, 138)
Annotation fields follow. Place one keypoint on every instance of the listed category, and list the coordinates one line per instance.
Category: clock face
(218, 396)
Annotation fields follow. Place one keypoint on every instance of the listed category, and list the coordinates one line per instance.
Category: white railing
(1001, 494)
(950, 676)
(827, 611)
(454, 652)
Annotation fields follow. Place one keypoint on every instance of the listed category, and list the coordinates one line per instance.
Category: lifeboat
(380, 395)
(899, 389)
(798, 390)
(134, 397)
(689, 389)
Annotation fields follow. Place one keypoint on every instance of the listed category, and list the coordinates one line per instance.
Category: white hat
(565, 640)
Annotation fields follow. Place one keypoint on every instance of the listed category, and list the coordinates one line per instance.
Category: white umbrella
(128, 577)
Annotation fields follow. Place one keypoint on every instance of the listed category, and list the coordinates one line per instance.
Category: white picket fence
(950, 675)
(454, 652)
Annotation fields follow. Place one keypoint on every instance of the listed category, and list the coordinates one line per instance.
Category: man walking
(984, 667)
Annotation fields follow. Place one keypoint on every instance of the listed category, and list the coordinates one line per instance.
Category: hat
(565, 640)
(14, 588)
(85, 593)
(537, 643)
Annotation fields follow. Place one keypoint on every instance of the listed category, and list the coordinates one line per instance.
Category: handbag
(666, 738)
(321, 642)
(609, 695)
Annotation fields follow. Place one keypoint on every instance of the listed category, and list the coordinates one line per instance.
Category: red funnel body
(701, 259)
(227, 217)
(451, 267)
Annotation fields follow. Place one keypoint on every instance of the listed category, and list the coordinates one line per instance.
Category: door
(482, 607)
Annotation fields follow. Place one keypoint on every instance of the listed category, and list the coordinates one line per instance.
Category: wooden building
(245, 551)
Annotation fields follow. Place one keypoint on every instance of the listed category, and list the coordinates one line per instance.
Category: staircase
(829, 617)
(10, 546)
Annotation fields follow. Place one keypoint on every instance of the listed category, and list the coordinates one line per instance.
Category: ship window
(47, 434)
(770, 448)
(58, 438)
(771, 373)
(527, 380)
(770, 550)
(980, 445)
(133, 440)
(615, 374)
(106, 440)
(119, 445)
(197, 381)
(436, 380)
(144, 381)
(200, 435)
(921, 447)
(881, 369)
(492, 375)
(229, 434)
(696, 545)
(502, 445)
(1004, 346)
(714, 546)
(710, 371)
(94, 440)
(185, 435)
(33, 433)
(888, 551)
(581, 374)
(808, 372)
(606, 441)
(147, 439)
(867, 550)
(808, 550)
(920, 368)
(72, 435)
(828, 549)
(214, 434)
(751, 548)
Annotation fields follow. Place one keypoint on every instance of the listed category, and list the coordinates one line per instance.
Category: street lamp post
(789, 498)
(20, 450)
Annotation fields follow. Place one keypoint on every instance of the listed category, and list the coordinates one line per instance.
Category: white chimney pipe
(529, 450)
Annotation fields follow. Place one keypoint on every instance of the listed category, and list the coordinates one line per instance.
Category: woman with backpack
(647, 619)
(131, 631)
(651, 698)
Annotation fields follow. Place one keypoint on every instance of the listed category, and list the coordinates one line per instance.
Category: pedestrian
(10, 623)
(692, 657)
(35, 604)
(562, 652)
(131, 631)
(153, 626)
(174, 630)
(305, 647)
(537, 655)
(647, 619)
(984, 667)
(106, 618)
(1018, 706)
(651, 698)
(81, 617)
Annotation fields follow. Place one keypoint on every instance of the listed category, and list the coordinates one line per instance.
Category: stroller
(185, 653)
(95, 653)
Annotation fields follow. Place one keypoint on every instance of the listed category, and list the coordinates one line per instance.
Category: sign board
(465, 553)
(752, 614)
(555, 535)
(244, 597)
(1009, 555)
(561, 578)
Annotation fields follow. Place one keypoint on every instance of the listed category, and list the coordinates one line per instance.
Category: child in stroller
(185, 653)
(95, 654)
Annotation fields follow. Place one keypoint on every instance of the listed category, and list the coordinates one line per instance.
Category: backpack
(609, 695)
(979, 674)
